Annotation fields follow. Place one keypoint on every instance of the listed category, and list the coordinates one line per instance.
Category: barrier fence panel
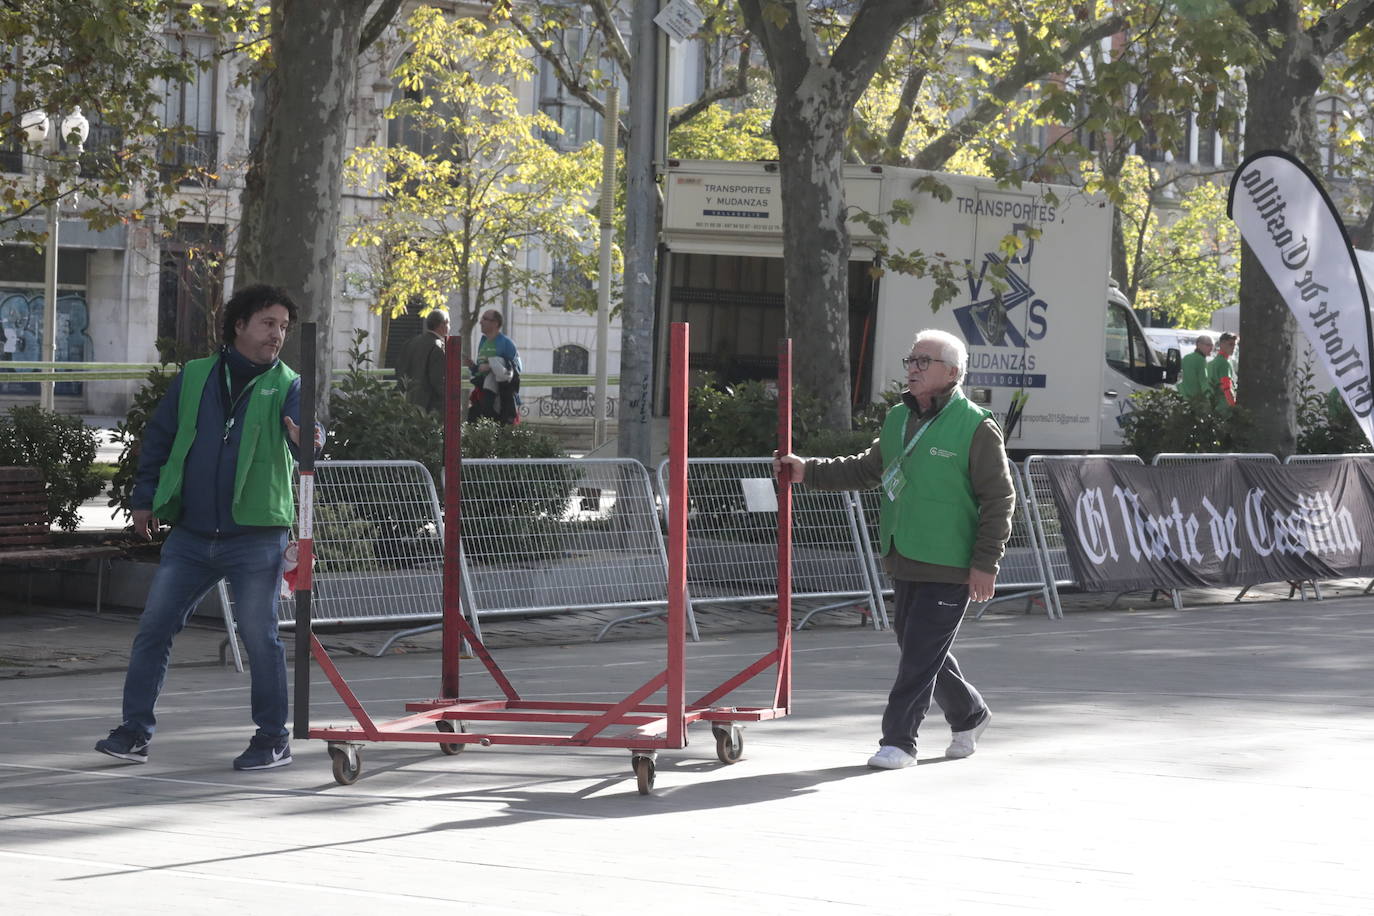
(1022, 572)
(1180, 459)
(554, 535)
(1327, 459)
(378, 546)
(1048, 526)
(732, 538)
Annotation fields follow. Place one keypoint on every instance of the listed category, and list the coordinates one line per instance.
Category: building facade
(123, 289)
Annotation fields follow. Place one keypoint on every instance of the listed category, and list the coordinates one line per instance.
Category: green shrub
(741, 421)
(830, 443)
(489, 439)
(349, 545)
(129, 431)
(1325, 424)
(1163, 420)
(63, 447)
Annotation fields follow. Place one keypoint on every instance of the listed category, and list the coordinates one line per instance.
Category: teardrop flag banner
(1289, 222)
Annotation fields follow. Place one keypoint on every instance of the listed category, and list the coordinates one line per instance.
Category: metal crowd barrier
(378, 543)
(556, 535)
(1326, 459)
(1048, 526)
(539, 536)
(732, 554)
(1178, 459)
(1022, 573)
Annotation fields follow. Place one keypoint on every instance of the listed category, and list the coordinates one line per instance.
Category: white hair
(952, 349)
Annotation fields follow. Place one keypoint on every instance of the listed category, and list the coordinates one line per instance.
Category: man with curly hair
(217, 461)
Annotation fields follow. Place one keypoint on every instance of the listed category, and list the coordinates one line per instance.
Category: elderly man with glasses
(943, 525)
(495, 373)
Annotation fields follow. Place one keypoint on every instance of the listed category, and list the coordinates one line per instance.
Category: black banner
(1214, 523)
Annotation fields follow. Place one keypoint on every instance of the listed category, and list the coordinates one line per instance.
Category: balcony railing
(195, 160)
(102, 144)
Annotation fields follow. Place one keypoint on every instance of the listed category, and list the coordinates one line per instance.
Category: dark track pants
(926, 621)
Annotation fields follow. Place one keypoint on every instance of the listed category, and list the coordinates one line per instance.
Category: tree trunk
(290, 233)
(809, 126)
(1278, 115)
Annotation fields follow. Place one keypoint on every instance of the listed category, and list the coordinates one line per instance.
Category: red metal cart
(633, 723)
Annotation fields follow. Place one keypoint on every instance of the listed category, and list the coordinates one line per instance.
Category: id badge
(894, 481)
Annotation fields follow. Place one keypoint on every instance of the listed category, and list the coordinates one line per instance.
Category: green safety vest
(935, 517)
(262, 477)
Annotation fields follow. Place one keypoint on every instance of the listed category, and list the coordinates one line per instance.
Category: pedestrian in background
(421, 369)
(944, 521)
(495, 374)
(1192, 379)
(1221, 374)
(217, 461)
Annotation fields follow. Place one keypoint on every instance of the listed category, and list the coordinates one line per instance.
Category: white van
(1055, 351)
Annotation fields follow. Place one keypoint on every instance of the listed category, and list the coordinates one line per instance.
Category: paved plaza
(1213, 760)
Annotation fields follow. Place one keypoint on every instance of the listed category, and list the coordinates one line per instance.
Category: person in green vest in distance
(217, 461)
(1192, 379)
(947, 502)
(1221, 374)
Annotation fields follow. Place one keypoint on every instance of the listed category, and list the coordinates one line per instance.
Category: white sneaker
(891, 758)
(964, 742)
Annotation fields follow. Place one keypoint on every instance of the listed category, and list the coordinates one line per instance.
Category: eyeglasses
(922, 363)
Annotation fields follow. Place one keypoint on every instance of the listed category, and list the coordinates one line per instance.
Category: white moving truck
(1051, 341)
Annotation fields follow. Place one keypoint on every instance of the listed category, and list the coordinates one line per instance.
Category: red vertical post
(677, 535)
(451, 642)
(783, 693)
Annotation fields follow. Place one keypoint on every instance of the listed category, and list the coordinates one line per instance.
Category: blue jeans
(192, 564)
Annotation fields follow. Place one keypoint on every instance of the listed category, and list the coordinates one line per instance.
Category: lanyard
(234, 403)
(893, 480)
(916, 436)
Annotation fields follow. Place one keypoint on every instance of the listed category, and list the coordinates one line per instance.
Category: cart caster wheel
(348, 764)
(729, 744)
(644, 773)
(448, 725)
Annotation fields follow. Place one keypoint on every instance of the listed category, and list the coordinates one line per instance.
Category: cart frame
(632, 723)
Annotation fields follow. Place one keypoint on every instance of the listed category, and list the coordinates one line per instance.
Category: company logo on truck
(994, 318)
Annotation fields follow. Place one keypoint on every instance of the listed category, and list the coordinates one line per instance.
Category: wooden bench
(26, 531)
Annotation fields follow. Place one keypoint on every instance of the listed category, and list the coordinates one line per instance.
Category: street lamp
(73, 126)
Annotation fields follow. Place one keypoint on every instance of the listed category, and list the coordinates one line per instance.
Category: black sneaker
(125, 743)
(264, 753)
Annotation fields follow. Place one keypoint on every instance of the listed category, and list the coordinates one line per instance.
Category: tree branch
(868, 39)
(791, 48)
(732, 90)
(938, 151)
(605, 21)
(377, 24)
(901, 118)
(1340, 25)
(560, 71)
